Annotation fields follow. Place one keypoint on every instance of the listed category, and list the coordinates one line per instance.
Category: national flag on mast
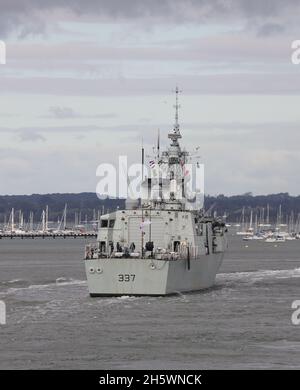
(185, 171)
(152, 164)
(145, 223)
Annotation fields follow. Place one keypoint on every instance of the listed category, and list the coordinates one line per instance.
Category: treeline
(280, 205)
(86, 205)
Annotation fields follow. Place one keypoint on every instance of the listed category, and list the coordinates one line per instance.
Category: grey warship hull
(117, 277)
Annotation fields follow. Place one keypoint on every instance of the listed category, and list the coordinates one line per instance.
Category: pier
(33, 235)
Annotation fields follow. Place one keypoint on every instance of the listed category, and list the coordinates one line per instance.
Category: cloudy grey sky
(86, 80)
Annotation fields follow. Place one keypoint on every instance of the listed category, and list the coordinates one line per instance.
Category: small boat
(257, 237)
(270, 239)
(248, 238)
(290, 238)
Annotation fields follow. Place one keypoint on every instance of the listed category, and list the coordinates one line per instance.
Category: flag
(185, 171)
(145, 223)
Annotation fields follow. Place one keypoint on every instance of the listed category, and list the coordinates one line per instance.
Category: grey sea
(243, 322)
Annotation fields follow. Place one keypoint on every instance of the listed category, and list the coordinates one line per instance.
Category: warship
(162, 243)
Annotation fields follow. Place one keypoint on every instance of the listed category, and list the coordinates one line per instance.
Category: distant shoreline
(87, 204)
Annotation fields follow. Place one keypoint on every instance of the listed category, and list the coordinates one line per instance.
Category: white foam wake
(256, 276)
(59, 282)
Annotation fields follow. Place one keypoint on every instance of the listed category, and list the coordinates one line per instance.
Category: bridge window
(111, 223)
(104, 222)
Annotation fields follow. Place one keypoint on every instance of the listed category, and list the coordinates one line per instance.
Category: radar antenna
(176, 131)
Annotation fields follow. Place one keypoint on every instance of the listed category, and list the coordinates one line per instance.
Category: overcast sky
(86, 80)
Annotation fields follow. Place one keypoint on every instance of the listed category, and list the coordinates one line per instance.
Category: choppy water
(244, 322)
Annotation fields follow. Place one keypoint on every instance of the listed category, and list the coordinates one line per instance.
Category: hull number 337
(126, 277)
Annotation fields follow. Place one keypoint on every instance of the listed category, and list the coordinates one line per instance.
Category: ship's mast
(142, 232)
(177, 106)
(169, 184)
(158, 143)
(176, 131)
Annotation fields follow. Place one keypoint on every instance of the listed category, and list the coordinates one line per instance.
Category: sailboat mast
(43, 221)
(47, 218)
(12, 219)
(65, 217)
(243, 218)
(31, 221)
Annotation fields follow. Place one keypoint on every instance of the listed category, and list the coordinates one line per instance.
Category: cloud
(62, 112)
(50, 169)
(257, 160)
(31, 136)
(230, 84)
(32, 16)
(270, 29)
(280, 133)
(226, 47)
(83, 55)
(68, 113)
(34, 133)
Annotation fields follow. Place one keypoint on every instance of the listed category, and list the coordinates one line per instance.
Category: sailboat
(248, 233)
